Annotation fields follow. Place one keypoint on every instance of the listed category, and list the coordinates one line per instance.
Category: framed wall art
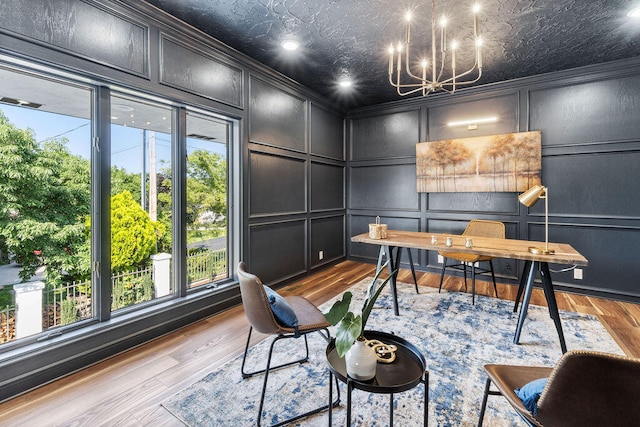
(498, 163)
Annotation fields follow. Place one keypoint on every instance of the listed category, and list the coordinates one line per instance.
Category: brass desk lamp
(529, 198)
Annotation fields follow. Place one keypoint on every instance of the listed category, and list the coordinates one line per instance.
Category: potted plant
(350, 342)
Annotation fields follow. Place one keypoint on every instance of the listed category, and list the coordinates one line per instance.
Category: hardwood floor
(126, 390)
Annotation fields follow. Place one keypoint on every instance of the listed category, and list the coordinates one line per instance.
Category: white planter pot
(361, 361)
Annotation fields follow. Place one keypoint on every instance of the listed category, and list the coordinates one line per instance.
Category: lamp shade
(532, 195)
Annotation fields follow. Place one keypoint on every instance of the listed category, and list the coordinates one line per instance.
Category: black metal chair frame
(488, 392)
(462, 266)
(270, 368)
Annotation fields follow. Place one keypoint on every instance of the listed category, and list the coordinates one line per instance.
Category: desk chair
(477, 228)
(261, 318)
(585, 389)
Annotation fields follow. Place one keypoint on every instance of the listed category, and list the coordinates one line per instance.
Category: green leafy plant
(68, 311)
(350, 326)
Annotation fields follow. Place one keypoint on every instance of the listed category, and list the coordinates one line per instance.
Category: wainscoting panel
(504, 108)
(277, 250)
(384, 187)
(489, 203)
(612, 253)
(277, 185)
(190, 70)
(81, 29)
(276, 117)
(327, 235)
(593, 185)
(327, 134)
(327, 186)
(385, 136)
(588, 112)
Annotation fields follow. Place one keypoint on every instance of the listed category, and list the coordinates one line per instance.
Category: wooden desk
(498, 248)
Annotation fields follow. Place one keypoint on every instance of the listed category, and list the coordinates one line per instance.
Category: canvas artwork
(507, 163)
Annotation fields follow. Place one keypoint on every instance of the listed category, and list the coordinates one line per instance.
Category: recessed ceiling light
(634, 13)
(345, 83)
(290, 45)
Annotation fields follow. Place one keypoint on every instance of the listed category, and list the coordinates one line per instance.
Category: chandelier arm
(408, 68)
(414, 91)
(450, 81)
(416, 87)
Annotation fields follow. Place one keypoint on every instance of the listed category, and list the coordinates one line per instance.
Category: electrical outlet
(440, 259)
(577, 273)
(321, 255)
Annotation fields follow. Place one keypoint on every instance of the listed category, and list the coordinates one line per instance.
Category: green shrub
(131, 290)
(68, 312)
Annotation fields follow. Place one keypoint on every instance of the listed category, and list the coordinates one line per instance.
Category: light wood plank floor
(126, 390)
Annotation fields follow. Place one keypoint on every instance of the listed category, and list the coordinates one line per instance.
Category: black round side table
(406, 372)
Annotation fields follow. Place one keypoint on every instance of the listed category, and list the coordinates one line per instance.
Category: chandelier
(439, 79)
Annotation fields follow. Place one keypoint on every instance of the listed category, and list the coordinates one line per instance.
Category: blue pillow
(282, 311)
(530, 393)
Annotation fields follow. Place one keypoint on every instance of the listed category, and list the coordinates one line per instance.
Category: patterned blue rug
(456, 338)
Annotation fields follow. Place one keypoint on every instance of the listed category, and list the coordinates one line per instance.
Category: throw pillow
(530, 393)
(282, 311)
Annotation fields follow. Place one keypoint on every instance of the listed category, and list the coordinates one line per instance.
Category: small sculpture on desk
(385, 353)
(377, 230)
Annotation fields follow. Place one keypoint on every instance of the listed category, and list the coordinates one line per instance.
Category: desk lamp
(529, 198)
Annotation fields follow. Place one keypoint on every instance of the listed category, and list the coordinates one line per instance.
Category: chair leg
(444, 266)
(464, 266)
(266, 378)
(484, 402)
(413, 270)
(260, 371)
(493, 276)
(473, 283)
(487, 392)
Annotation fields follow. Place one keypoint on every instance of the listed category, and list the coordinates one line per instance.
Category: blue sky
(126, 148)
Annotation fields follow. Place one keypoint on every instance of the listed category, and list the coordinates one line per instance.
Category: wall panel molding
(82, 28)
(277, 185)
(276, 117)
(387, 187)
(278, 250)
(200, 72)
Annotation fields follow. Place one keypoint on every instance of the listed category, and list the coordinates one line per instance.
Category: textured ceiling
(350, 37)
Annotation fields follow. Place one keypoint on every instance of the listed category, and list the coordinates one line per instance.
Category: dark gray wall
(590, 162)
(292, 166)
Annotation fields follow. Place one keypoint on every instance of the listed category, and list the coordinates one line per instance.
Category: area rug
(456, 338)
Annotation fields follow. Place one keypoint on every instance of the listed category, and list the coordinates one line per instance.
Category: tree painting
(498, 163)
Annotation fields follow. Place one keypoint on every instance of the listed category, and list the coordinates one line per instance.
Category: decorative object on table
(477, 228)
(434, 240)
(468, 243)
(449, 241)
(385, 353)
(497, 163)
(529, 198)
(360, 359)
(377, 230)
(445, 329)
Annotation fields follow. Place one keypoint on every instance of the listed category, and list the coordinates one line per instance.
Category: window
(47, 193)
(140, 202)
(45, 204)
(207, 199)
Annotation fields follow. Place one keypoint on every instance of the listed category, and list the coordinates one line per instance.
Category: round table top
(402, 374)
